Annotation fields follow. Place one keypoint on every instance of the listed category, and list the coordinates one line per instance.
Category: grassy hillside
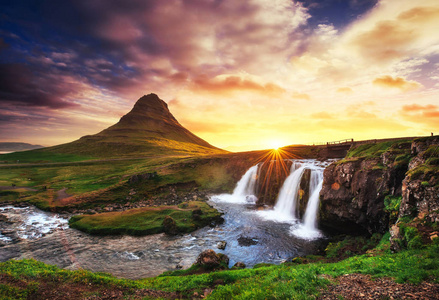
(89, 183)
(99, 183)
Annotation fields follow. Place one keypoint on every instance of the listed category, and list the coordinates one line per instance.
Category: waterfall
(308, 229)
(285, 209)
(246, 185)
(289, 194)
(245, 189)
(310, 218)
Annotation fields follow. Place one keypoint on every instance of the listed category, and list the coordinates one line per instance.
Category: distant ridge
(11, 147)
(148, 129)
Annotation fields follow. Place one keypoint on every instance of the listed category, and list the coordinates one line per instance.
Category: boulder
(142, 177)
(221, 245)
(239, 265)
(209, 259)
(170, 226)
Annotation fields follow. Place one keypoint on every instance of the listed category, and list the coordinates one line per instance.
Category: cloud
(394, 32)
(345, 90)
(18, 85)
(127, 47)
(426, 114)
(302, 96)
(397, 82)
(225, 84)
(393, 41)
(418, 108)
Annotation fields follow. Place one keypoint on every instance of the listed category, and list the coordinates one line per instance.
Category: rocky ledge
(358, 191)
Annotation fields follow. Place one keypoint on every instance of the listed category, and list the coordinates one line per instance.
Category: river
(27, 232)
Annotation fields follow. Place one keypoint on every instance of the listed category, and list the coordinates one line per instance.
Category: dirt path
(359, 286)
(62, 194)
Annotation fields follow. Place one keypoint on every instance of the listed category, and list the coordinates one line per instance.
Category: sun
(275, 144)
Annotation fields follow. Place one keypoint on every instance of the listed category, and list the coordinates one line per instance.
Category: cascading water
(245, 189)
(316, 183)
(246, 185)
(308, 229)
(286, 203)
(286, 207)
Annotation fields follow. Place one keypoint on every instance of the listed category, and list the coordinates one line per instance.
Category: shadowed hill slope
(149, 129)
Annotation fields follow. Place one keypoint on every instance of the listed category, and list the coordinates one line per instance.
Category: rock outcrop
(352, 197)
(420, 188)
(420, 197)
(354, 189)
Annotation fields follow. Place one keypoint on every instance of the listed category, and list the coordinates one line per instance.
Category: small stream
(32, 233)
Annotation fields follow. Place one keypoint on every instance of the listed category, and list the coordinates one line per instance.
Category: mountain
(148, 129)
(11, 147)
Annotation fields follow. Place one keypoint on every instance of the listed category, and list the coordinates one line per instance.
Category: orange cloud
(397, 82)
(345, 90)
(302, 96)
(428, 114)
(396, 38)
(420, 14)
(393, 40)
(233, 83)
(416, 108)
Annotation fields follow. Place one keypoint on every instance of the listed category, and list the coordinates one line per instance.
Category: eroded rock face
(420, 189)
(352, 197)
(353, 192)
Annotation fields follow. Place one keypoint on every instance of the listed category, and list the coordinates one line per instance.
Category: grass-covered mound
(183, 218)
(27, 278)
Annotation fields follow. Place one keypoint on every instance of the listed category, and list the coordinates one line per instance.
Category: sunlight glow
(275, 144)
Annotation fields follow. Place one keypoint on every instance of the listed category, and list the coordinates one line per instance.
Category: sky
(243, 75)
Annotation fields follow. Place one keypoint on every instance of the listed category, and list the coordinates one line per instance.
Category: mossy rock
(170, 226)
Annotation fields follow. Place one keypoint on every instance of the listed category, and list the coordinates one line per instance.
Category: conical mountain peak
(147, 108)
(148, 129)
(150, 101)
(151, 118)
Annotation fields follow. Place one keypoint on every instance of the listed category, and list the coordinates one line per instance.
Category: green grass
(304, 281)
(103, 182)
(148, 220)
(372, 150)
(41, 156)
(286, 281)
